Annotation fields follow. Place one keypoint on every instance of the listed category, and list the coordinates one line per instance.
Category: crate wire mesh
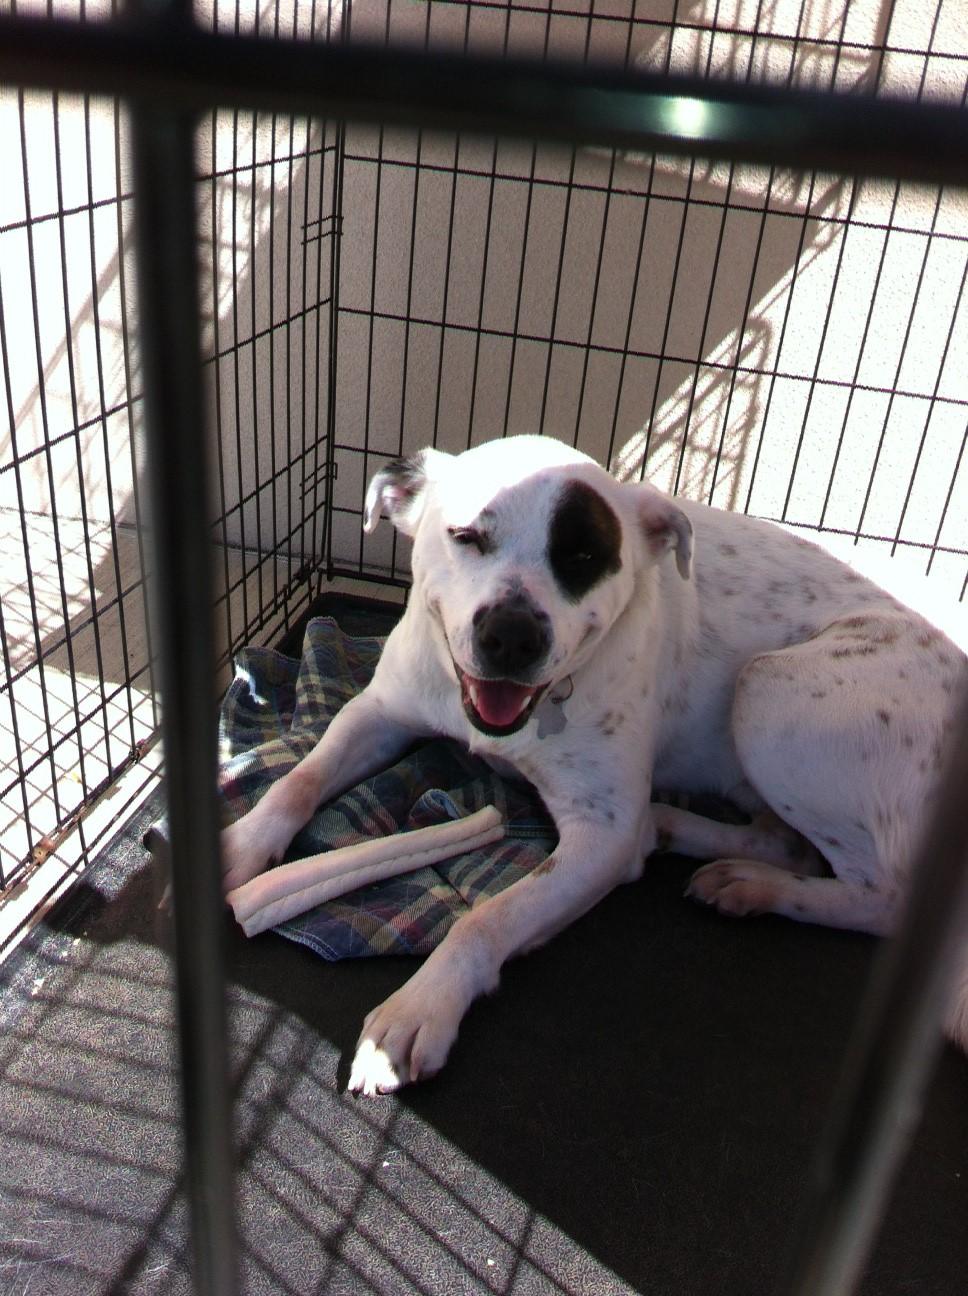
(77, 694)
(372, 289)
(78, 706)
(698, 322)
(782, 343)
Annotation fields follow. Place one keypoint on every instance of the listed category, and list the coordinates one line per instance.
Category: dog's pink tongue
(499, 702)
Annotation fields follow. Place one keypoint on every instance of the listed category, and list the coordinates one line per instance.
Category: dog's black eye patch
(584, 542)
(470, 537)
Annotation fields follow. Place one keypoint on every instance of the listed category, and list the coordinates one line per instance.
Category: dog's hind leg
(818, 748)
(766, 838)
(740, 887)
(767, 867)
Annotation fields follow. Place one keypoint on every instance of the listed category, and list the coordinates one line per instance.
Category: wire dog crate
(733, 331)
(785, 342)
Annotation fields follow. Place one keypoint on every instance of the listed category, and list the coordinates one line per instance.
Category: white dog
(604, 640)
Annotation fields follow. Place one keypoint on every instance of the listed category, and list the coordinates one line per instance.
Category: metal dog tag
(551, 713)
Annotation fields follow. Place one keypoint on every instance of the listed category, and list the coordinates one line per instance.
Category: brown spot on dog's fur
(861, 650)
(872, 628)
(610, 721)
(884, 717)
(727, 550)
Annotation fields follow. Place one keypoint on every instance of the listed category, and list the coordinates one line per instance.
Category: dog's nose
(510, 638)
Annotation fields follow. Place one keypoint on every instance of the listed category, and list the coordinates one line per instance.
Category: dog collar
(550, 713)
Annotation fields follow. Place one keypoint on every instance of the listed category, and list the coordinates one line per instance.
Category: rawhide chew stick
(291, 889)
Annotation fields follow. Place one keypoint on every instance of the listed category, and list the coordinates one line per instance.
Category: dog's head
(525, 554)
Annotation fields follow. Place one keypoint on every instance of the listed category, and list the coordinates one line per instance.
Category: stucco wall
(768, 320)
(767, 323)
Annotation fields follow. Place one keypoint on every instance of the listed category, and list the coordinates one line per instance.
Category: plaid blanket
(273, 714)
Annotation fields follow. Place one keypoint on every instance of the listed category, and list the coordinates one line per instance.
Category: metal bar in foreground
(168, 310)
(878, 1106)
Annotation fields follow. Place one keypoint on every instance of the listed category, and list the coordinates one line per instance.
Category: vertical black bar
(449, 256)
(408, 309)
(372, 311)
(947, 499)
(311, 347)
(647, 191)
(485, 262)
(526, 234)
(932, 405)
(319, 302)
(876, 1110)
(177, 475)
(332, 376)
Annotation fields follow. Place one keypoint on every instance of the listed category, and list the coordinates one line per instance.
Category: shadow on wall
(72, 519)
(632, 305)
(662, 315)
(76, 687)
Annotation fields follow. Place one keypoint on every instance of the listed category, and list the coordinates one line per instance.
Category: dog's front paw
(736, 887)
(406, 1039)
(245, 854)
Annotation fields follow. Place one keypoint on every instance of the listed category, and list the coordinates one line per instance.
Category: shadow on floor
(634, 1110)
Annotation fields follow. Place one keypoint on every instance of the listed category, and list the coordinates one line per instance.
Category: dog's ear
(664, 526)
(398, 491)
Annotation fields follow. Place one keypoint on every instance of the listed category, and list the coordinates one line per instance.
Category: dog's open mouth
(497, 707)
